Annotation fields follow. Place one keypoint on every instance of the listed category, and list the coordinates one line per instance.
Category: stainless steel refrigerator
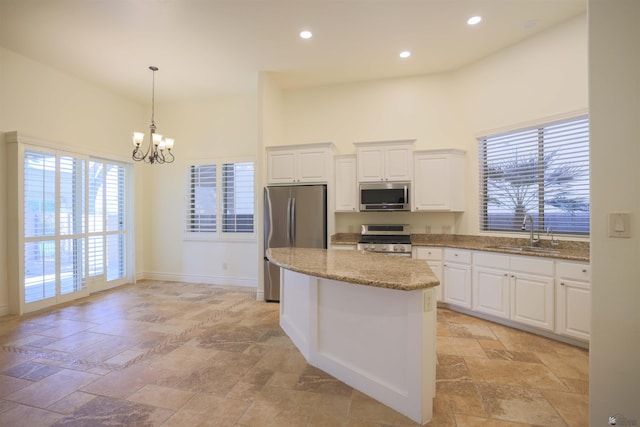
(294, 216)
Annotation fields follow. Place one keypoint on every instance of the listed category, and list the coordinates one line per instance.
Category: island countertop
(357, 267)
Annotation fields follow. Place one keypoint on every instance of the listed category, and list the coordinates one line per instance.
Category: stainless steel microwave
(385, 196)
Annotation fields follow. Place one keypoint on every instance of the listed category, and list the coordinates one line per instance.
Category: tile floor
(177, 354)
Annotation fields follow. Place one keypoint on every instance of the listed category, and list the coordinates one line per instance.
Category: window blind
(202, 199)
(237, 196)
(542, 172)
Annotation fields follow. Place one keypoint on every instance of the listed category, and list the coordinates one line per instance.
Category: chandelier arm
(172, 158)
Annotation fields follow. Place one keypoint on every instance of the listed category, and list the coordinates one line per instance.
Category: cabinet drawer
(487, 259)
(533, 265)
(574, 271)
(429, 253)
(457, 255)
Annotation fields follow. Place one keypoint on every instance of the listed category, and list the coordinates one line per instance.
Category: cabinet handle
(561, 283)
(506, 274)
(455, 254)
(584, 270)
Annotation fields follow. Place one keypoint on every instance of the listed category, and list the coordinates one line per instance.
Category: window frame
(219, 234)
(537, 128)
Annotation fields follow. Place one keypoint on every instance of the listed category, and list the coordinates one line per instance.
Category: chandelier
(155, 152)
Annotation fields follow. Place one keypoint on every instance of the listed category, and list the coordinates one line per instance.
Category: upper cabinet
(293, 164)
(346, 190)
(385, 161)
(438, 183)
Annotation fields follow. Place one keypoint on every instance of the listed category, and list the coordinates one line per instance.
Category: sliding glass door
(108, 252)
(74, 216)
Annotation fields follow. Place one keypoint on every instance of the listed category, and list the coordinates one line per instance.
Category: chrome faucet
(550, 233)
(532, 241)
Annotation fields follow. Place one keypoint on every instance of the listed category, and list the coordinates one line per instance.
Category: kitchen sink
(526, 249)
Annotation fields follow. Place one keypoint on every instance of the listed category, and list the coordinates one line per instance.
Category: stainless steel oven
(390, 239)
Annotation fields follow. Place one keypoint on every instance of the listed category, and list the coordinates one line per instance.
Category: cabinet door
(312, 165)
(532, 300)
(345, 185)
(398, 163)
(370, 164)
(491, 291)
(281, 166)
(457, 284)
(573, 313)
(430, 192)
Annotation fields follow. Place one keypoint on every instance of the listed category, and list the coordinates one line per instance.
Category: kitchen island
(367, 319)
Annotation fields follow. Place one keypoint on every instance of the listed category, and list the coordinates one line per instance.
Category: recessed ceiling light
(306, 34)
(405, 54)
(474, 20)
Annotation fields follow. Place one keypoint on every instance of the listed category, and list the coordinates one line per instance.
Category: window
(542, 172)
(231, 194)
(54, 225)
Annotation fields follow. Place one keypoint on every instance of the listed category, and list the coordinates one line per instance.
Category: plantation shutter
(237, 197)
(71, 212)
(202, 202)
(542, 172)
(40, 200)
(115, 221)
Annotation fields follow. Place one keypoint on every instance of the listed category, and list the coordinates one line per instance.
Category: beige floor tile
(22, 415)
(574, 408)
(459, 346)
(208, 410)
(474, 421)
(498, 371)
(473, 330)
(517, 404)
(53, 388)
(566, 366)
(163, 397)
(365, 408)
(71, 402)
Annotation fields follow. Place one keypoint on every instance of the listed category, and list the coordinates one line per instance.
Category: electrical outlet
(428, 301)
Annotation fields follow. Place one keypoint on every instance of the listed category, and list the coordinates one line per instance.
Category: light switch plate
(619, 224)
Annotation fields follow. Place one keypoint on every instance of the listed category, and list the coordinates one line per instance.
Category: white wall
(204, 130)
(42, 102)
(541, 77)
(614, 90)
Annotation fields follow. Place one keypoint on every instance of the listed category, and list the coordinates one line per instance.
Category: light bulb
(138, 137)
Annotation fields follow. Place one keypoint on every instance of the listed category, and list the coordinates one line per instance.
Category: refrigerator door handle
(292, 222)
(289, 221)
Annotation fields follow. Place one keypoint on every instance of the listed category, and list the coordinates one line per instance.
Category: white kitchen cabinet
(434, 258)
(438, 183)
(573, 299)
(491, 284)
(457, 277)
(309, 163)
(532, 291)
(346, 186)
(385, 161)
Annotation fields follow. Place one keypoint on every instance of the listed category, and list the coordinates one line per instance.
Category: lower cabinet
(544, 293)
(532, 291)
(573, 299)
(457, 277)
(433, 257)
(491, 284)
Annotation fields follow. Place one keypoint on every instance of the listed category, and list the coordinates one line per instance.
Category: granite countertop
(569, 250)
(358, 267)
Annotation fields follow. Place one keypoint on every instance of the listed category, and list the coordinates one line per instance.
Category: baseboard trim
(199, 278)
(4, 310)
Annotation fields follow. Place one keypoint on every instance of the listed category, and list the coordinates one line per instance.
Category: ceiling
(206, 48)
